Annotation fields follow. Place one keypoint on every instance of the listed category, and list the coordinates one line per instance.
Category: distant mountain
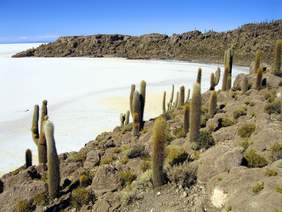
(194, 45)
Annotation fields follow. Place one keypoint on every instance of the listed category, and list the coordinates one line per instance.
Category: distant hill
(194, 45)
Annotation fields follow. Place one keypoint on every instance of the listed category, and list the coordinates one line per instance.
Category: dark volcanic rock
(195, 45)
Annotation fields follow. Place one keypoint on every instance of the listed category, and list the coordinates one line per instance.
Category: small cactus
(158, 139)
(212, 103)
(217, 76)
(142, 101)
(244, 84)
(164, 102)
(28, 158)
(122, 119)
(258, 79)
(136, 107)
(277, 63)
(132, 90)
(195, 113)
(199, 76)
(53, 162)
(186, 118)
(212, 82)
(188, 96)
(182, 96)
(257, 60)
(127, 117)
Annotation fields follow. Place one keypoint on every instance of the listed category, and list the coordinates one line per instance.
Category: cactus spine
(142, 101)
(122, 119)
(127, 117)
(199, 76)
(195, 114)
(212, 82)
(258, 79)
(277, 63)
(257, 61)
(28, 158)
(158, 140)
(136, 107)
(212, 103)
(244, 84)
(164, 102)
(53, 161)
(182, 96)
(186, 118)
(132, 90)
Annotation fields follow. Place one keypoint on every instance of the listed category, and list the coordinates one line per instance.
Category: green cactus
(212, 82)
(229, 82)
(53, 161)
(217, 76)
(164, 102)
(277, 63)
(257, 61)
(172, 94)
(28, 158)
(136, 107)
(186, 118)
(182, 95)
(177, 100)
(259, 78)
(122, 119)
(212, 103)
(188, 96)
(244, 84)
(132, 90)
(195, 113)
(158, 139)
(142, 101)
(34, 127)
(127, 116)
(199, 76)
(227, 77)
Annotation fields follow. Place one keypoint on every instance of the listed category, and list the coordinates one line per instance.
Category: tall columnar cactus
(142, 101)
(257, 61)
(212, 103)
(176, 104)
(136, 107)
(172, 94)
(277, 63)
(217, 76)
(199, 76)
(227, 77)
(259, 78)
(164, 102)
(244, 84)
(186, 118)
(212, 82)
(195, 113)
(158, 139)
(122, 119)
(28, 158)
(132, 90)
(42, 145)
(182, 95)
(127, 117)
(188, 96)
(53, 161)
(34, 127)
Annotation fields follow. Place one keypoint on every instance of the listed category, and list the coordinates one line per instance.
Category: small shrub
(126, 177)
(254, 159)
(279, 188)
(246, 130)
(175, 155)
(226, 122)
(278, 210)
(245, 144)
(270, 96)
(41, 199)
(270, 173)
(107, 159)
(205, 141)
(273, 107)
(276, 151)
(145, 165)
(24, 206)
(84, 180)
(179, 132)
(259, 186)
(204, 118)
(124, 160)
(80, 197)
(136, 151)
(239, 112)
(77, 156)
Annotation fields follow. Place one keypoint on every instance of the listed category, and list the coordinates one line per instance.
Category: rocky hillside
(230, 159)
(194, 45)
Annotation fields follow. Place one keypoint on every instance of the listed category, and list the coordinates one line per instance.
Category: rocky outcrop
(194, 45)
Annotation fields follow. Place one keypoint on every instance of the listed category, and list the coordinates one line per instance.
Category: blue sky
(45, 20)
